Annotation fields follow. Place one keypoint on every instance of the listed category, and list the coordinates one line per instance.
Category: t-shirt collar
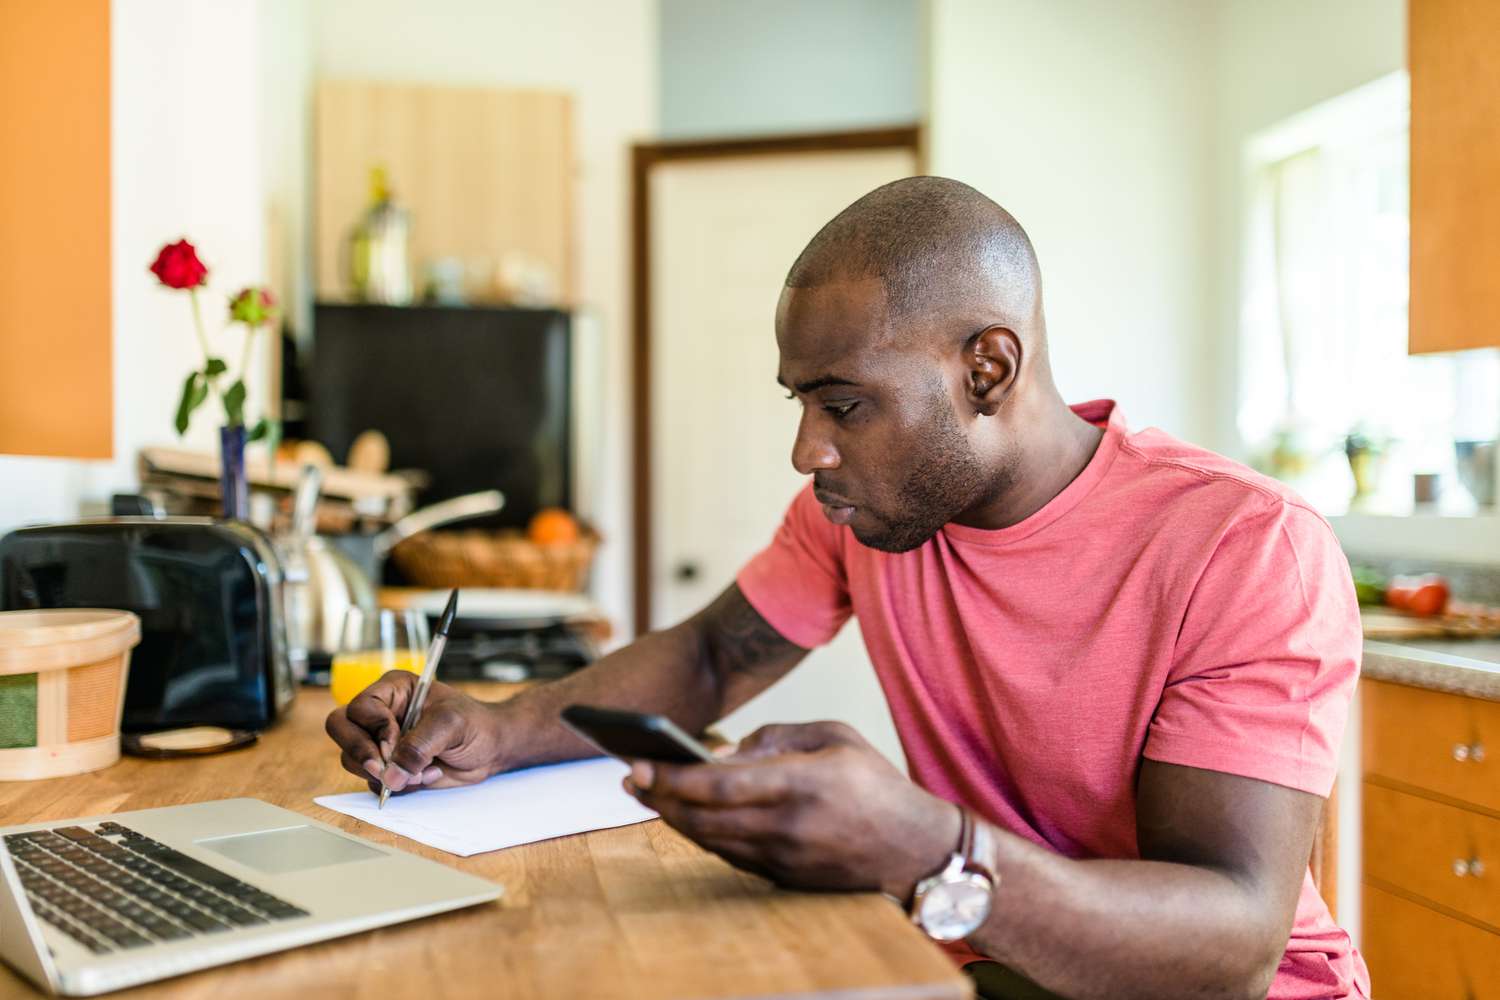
(1100, 412)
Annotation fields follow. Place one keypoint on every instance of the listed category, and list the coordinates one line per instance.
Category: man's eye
(791, 395)
(841, 410)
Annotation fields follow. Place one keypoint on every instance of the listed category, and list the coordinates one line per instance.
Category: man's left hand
(810, 806)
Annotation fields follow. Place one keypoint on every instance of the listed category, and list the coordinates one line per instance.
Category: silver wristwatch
(956, 901)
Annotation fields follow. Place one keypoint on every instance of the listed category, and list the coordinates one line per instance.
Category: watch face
(952, 910)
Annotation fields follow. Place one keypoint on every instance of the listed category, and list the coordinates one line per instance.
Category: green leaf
(215, 366)
(194, 392)
(234, 404)
(261, 428)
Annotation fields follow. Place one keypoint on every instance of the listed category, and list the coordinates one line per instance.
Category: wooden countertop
(633, 912)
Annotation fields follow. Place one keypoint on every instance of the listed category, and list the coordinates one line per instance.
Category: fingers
(361, 767)
(750, 838)
(378, 708)
(721, 785)
(708, 824)
(441, 728)
(807, 737)
(357, 746)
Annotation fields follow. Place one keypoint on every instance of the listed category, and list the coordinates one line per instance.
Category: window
(1323, 318)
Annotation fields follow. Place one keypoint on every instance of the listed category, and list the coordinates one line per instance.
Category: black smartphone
(635, 735)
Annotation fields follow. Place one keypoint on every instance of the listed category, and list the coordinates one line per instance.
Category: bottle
(379, 269)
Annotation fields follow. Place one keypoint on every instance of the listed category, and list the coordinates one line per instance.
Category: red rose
(178, 266)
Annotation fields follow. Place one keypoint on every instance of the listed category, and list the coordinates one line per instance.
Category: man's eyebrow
(817, 383)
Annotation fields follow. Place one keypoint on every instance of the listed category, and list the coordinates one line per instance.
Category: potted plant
(177, 266)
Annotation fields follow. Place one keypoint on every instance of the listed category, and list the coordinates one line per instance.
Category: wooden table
(633, 912)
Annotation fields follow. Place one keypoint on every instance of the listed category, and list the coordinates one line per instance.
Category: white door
(724, 234)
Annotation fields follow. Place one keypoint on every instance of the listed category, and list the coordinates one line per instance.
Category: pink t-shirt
(1169, 603)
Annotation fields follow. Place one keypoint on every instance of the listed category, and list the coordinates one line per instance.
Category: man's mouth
(835, 508)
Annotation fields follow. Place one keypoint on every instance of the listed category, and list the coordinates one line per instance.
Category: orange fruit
(553, 526)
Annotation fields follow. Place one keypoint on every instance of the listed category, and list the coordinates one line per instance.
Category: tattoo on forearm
(739, 639)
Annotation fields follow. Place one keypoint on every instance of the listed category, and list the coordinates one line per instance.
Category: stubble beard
(946, 480)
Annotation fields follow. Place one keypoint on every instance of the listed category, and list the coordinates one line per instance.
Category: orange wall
(56, 394)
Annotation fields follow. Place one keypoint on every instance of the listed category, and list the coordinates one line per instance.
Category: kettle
(322, 581)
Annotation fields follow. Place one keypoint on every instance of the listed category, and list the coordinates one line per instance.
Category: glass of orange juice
(372, 642)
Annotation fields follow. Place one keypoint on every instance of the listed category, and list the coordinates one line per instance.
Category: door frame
(644, 158)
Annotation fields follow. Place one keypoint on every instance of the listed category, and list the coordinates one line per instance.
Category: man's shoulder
(1186, 474)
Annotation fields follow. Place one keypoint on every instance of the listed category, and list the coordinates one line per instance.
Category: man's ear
(992, 359)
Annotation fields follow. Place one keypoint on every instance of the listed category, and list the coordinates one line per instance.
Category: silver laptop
(93, 905)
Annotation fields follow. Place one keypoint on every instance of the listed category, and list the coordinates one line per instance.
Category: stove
(489, 651)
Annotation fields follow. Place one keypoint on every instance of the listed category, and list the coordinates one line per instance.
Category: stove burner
(484, 652)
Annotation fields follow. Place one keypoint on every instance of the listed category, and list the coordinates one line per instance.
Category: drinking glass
(370, 643)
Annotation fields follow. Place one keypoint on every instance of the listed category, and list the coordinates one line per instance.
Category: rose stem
(203, 343)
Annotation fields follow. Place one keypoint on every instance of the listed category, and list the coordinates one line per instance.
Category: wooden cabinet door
(1436, 742)
(1455, 160)
(56, 372)
(1419, 954)
(1441, 853)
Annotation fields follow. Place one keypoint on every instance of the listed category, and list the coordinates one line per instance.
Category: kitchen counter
(1469, 667)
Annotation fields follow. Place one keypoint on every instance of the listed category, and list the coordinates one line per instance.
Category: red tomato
(1421, 595)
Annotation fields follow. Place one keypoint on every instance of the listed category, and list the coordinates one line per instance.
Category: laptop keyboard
(111, 888)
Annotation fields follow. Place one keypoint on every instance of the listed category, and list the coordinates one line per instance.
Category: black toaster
(208, 593)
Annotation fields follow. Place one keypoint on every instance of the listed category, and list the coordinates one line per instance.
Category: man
(1119, 665)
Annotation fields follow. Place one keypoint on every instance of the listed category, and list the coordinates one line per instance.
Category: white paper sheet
(509, 809)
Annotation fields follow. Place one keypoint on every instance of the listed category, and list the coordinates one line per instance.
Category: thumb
(438, 731)
(768, 741)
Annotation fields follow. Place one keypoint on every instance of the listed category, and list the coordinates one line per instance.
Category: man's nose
(812, 450)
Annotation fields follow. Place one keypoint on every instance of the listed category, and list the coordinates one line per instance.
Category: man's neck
(1055, 448)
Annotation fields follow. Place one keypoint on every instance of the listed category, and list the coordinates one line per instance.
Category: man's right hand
(455, 742)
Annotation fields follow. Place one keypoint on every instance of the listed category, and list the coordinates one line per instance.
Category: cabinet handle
(1468, 751)
(1471, 868)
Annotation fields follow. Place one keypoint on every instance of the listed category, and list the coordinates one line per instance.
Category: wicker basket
(62, 688)
(495, 559)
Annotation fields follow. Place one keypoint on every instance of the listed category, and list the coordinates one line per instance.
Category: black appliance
(478, 398)
(208, 593)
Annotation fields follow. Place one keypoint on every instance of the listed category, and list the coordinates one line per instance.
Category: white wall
(1088, 120)
(286, 80)
(184, 113)
(605, 54)
(735, 68)
(1273, 59)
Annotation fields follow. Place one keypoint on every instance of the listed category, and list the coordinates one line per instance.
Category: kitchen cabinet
(1431, 828)
(1407, 936)
(1455, 158)
(56, 349)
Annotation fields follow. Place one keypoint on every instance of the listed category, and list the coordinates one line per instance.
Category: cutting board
(1471, 621)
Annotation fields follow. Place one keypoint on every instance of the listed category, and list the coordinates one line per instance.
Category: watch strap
(978, 851)
(965, 834)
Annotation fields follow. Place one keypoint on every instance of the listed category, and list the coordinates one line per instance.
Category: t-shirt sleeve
(1266, 658)
(798, 582)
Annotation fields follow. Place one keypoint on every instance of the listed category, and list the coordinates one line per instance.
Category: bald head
(929, 240)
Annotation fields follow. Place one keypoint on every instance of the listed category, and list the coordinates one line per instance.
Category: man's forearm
(1126, 928)
(695, 673)
(661, 672)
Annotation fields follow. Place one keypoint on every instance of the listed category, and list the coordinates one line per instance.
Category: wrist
(927, 853)
(499, 731)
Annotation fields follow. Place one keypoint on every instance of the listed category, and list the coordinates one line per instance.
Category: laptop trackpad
(295, 849)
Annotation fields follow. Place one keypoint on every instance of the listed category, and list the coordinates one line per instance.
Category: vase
(234, 486)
